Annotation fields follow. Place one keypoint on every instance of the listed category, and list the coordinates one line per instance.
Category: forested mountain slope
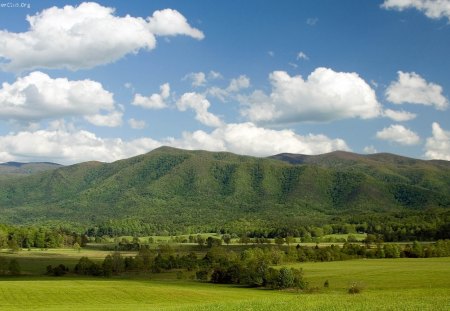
(173, 188)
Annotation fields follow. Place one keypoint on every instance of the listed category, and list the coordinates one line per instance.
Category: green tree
(279, 241)
(200, 240)
(226, 238)
(285, 278)
(14, 267)
(76, 247)
(107, 266)
(3, 265)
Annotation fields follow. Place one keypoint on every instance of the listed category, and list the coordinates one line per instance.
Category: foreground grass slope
(399, 284)
(173, 188)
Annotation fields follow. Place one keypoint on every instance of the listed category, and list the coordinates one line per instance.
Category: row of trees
(252, 266)
(18, 237)
(9, 267)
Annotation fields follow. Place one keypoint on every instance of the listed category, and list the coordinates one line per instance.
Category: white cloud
(170, 22)
(198, 78)
(438, 146)
(68, 146)
(234, 87)
(85, 36)
(271, 53)
(213, 75)
(239, 83)
(137, 124)
(434, 9)
(247, 138)
(62, 143)
(413, 89)
(200, 105)
(399, 116)
(325, 95)
(302, 55)
(37, 96)
(111, 119)
(399, 134)
(154, 101)
(370, 149)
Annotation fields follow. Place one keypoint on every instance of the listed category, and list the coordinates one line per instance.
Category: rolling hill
(172, 188)
(13, 169)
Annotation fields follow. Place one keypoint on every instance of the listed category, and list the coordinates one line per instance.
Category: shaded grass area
(389, 284)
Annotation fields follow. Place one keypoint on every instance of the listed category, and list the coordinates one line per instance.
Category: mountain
(172, 188)
(15, 169)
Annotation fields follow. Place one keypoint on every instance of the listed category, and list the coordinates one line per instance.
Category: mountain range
(173, 188)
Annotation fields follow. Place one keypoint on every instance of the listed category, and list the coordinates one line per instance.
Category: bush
(202, 275)
(60, 270)
(355, 288)
(14, 267)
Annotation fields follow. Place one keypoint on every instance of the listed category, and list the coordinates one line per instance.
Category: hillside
(10, 170)
(172, 188)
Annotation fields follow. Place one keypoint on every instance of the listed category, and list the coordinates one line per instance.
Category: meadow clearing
(387, 284)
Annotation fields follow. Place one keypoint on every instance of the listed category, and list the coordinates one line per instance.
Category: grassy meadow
(388, 284)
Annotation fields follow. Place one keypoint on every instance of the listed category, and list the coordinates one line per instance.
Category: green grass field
(389, 284)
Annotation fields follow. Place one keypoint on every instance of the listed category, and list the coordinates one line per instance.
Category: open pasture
(396, 284)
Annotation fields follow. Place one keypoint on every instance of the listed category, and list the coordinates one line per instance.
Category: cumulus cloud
(37, 96)
(325, 95)
(154, 101)
(170, 22)
(112, 119)
(399, 134)
(63, 143)
(200, 105)
(247, 138)
(399, 116)
(413, 89)
(238, 84)
(197, 78)
(370, 149)
(85, 36)
(434, 9)
(438, 145)
(68, 146)
(137, 124)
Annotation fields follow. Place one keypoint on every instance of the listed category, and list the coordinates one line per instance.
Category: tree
(279, 241)
(3, 266)
(200, 240)
(289, 240)
(13, 245)
(210, 241)
(107, 266)
(14, 267)
(76, 247)
(226, 238)
(285, 278)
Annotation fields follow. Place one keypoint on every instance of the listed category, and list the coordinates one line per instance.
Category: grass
(389, 284)
(35, 261)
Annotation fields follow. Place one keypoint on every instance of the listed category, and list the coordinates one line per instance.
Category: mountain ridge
(176, 188)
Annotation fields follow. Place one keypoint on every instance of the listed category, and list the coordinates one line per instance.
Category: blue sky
(109, 80)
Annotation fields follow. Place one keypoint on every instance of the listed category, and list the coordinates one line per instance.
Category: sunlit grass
(389, 284)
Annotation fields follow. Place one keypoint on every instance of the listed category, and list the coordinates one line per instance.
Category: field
(388, 284)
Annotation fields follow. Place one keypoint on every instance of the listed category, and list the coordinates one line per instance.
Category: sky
(108, 80)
